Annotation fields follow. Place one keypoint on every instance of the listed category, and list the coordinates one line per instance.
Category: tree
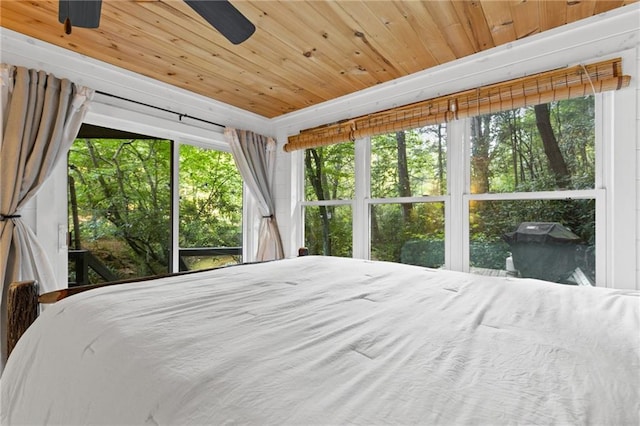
(480, 149)
(316, 177)
(404, 185)
(551, 147)
(124, 202)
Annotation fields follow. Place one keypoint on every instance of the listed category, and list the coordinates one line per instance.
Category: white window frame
(598, 193)
(456, 201)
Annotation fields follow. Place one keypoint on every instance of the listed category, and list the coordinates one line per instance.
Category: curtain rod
(180, 115)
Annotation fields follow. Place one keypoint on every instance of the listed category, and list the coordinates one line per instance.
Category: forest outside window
(407, 210)
(121, 198)
(329, 191)
(543, 160)
(545, 147)
(210, 209)
(532, 164)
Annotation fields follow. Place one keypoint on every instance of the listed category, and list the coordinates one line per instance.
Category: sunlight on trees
(549, 147)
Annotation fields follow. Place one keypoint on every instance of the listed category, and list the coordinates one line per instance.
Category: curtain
(255, 158)
(41, 116)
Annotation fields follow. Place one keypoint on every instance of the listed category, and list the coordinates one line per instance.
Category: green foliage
(329, 230)
(123, 194)
(508, 154)
(122, 189)
(329, 172)
(210, 199)
(429, 253)
(425, 161)
(394, 225)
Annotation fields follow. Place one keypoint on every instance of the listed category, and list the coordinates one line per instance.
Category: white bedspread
(321, 340)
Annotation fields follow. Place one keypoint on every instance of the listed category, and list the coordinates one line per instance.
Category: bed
(326, 340)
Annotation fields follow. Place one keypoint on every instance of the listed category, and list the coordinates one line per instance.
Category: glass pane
(328, 230)
(542, 148)
(329, 172)
(409, 163)
(410, 233)
(555, 239)
(119, 208)
(210, 209)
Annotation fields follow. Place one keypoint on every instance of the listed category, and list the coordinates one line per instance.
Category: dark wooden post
(22, 310)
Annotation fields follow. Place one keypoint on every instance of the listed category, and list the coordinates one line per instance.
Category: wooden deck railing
(84, 260)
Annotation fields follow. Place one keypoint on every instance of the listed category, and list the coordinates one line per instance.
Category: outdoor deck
(489, 272)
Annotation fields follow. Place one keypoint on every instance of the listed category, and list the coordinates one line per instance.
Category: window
(329, 193)
(210, 209)
(543, 148)
(431, 203)
(408, 178)
(121, 206)
(544, 158)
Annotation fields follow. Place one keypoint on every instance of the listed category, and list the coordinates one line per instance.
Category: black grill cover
(543, 250)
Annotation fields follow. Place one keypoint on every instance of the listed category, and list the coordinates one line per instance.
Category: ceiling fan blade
(225, 18)
(80, 13)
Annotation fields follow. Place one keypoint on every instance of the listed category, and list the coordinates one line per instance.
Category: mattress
(324, 340)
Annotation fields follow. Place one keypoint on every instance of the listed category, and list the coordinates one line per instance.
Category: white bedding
(321, 340)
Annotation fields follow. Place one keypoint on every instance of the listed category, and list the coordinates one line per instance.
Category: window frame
(458, 196)
(248, 243)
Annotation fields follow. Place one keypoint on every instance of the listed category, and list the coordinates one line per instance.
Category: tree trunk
(313, 167)
(551, 147)
(514, 147)
(74, 212)
(480, 154)
(404, 186)
(441, 157)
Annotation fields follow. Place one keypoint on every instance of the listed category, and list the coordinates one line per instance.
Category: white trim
(582, 194)
(621, 130)
(120, 117)
(361, 228)
(456, 227)
(316, 203)
(404, 200)
(175, 207)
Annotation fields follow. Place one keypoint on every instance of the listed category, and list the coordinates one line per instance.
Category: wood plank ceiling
(303, 52)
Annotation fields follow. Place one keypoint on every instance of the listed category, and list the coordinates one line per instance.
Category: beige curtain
(255, 158)
(41, 116)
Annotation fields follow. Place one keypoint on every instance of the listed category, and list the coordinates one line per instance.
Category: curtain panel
(255, 158)
(41, 116)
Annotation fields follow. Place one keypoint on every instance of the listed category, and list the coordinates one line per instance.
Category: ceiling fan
(221, 14)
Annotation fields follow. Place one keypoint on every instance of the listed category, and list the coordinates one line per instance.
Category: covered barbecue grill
(543, 250)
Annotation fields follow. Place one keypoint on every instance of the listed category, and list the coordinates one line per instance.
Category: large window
(541, 163)
(433, 204)
(121, 207)
(329, 193)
